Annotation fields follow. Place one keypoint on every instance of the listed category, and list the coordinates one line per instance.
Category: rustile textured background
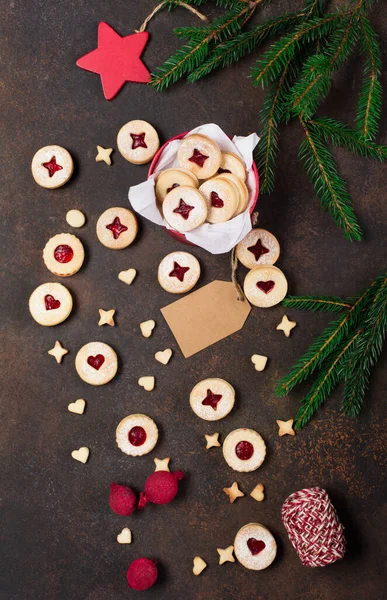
(57, 531)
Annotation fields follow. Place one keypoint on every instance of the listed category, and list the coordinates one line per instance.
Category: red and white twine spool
(313, 527)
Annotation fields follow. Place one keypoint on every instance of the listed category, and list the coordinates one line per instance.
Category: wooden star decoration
(104, 155)
(58, 352)
(106, 317)
(285, 427)
(286, 326)
(233, 492)
(212, 441)
(162, 464)
(226, 554)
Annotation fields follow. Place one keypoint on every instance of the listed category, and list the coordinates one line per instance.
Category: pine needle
(330, 304)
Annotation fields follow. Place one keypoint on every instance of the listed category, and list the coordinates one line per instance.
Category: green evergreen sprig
(346, 350)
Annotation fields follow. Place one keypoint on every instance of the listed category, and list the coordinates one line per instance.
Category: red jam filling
(198, 158)
(175, 185)
(178, 271)
(50, 302)
(258, 249)
(63, 253)
(96, 361)
(138, 140)
(52, 166)
(244, 450)
(212, 399)
(255, 546)
(137, 436)
(265, 286)
(220, 170)
(216, 202)
(183, 209)
(116, 228)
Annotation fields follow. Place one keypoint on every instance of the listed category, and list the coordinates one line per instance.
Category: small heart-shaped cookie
(77, 407)
(259, 361)
(147, 327)
(147, 382)
(198, 565)
(258, 493)
(81, 455)
(164, 357)
(127, 276)
(125, 537)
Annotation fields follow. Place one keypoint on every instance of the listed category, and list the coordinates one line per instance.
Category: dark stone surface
(58, 534)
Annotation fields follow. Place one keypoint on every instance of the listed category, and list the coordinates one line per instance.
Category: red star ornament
(117, 59)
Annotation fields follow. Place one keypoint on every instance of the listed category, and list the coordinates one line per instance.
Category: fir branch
(331, 304)
(328, 183)
(313, 8)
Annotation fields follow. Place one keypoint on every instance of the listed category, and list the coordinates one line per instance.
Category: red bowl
(176, 234)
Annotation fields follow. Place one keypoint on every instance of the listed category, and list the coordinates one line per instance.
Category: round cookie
(63, 254)
(50, 304)
(255, 547)
(75, 218)
(222, 199)
(199, 154)
(117, 228)
(170, 179)
(137, 435)
(259, 247)
(212, 399)
(244, 450)
(265, 286)
(178, 272)
(184, 208)
(52, 167)
(232, 164)
(96, 363)
(138, 142)
(242, 189)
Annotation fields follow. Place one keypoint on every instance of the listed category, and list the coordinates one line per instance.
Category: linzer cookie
(184, 208)
(170, 179)
(244, 450)
(138, 142)
(52, 166)
(50, 304)
(259, 247)
(96, 363)
(232, 164)
(255, 547)
(117, 228)
(199, 154)
(242, 189)
(212, 399)
(222, 199)
(178, 272)
(265, 286)
(137, 435)
(63, 254)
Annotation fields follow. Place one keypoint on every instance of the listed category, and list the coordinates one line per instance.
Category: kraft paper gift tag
(206, 316)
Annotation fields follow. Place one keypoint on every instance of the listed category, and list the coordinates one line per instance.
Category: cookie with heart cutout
(212, 399)
(259, 247)
(199, 154)
(231, 163)
(244, 450)
(255, 547)
(137, 435)
(52, 166)
(138, 142)
(184, 208)
(170, 179)
(117, 228)
(96, 363)
(222, 199)
(63, 254)
(178, 272)
(50, 304)
(265, 286)
(242, 189)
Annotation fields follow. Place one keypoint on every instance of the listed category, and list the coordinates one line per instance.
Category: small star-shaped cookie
(286, 326)
(212, 441)
(286, 427)
(226, 554)
(106, 317)
(162, 464)
(104, 155)
(233, 492)
(58, 352)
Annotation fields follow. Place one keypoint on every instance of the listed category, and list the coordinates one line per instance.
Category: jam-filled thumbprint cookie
(212, 399)
(63, 254)
(259, 247)
(96, 363)
(265, 286)
(137, 435)
(244, 450)
(255, 547)
(184, 208)
(138, 142)
(199, 154)
(117, 228)
(50, 304)
(52, 166)
(178, 272)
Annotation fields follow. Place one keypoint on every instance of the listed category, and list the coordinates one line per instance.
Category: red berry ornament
(142, 574)
(160, 488)
(122, 500)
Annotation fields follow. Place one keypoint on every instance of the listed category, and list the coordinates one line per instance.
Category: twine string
(161, 5)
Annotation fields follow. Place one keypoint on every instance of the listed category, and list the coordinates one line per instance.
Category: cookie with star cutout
(138, 142)
(117, 228)
(184, 208)
(212, 399)
(96, 363)
(52, 166)
(265, 286)
(199, 154)
(63, 254)
(178, 272)
(50, 304)
(259, 247)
